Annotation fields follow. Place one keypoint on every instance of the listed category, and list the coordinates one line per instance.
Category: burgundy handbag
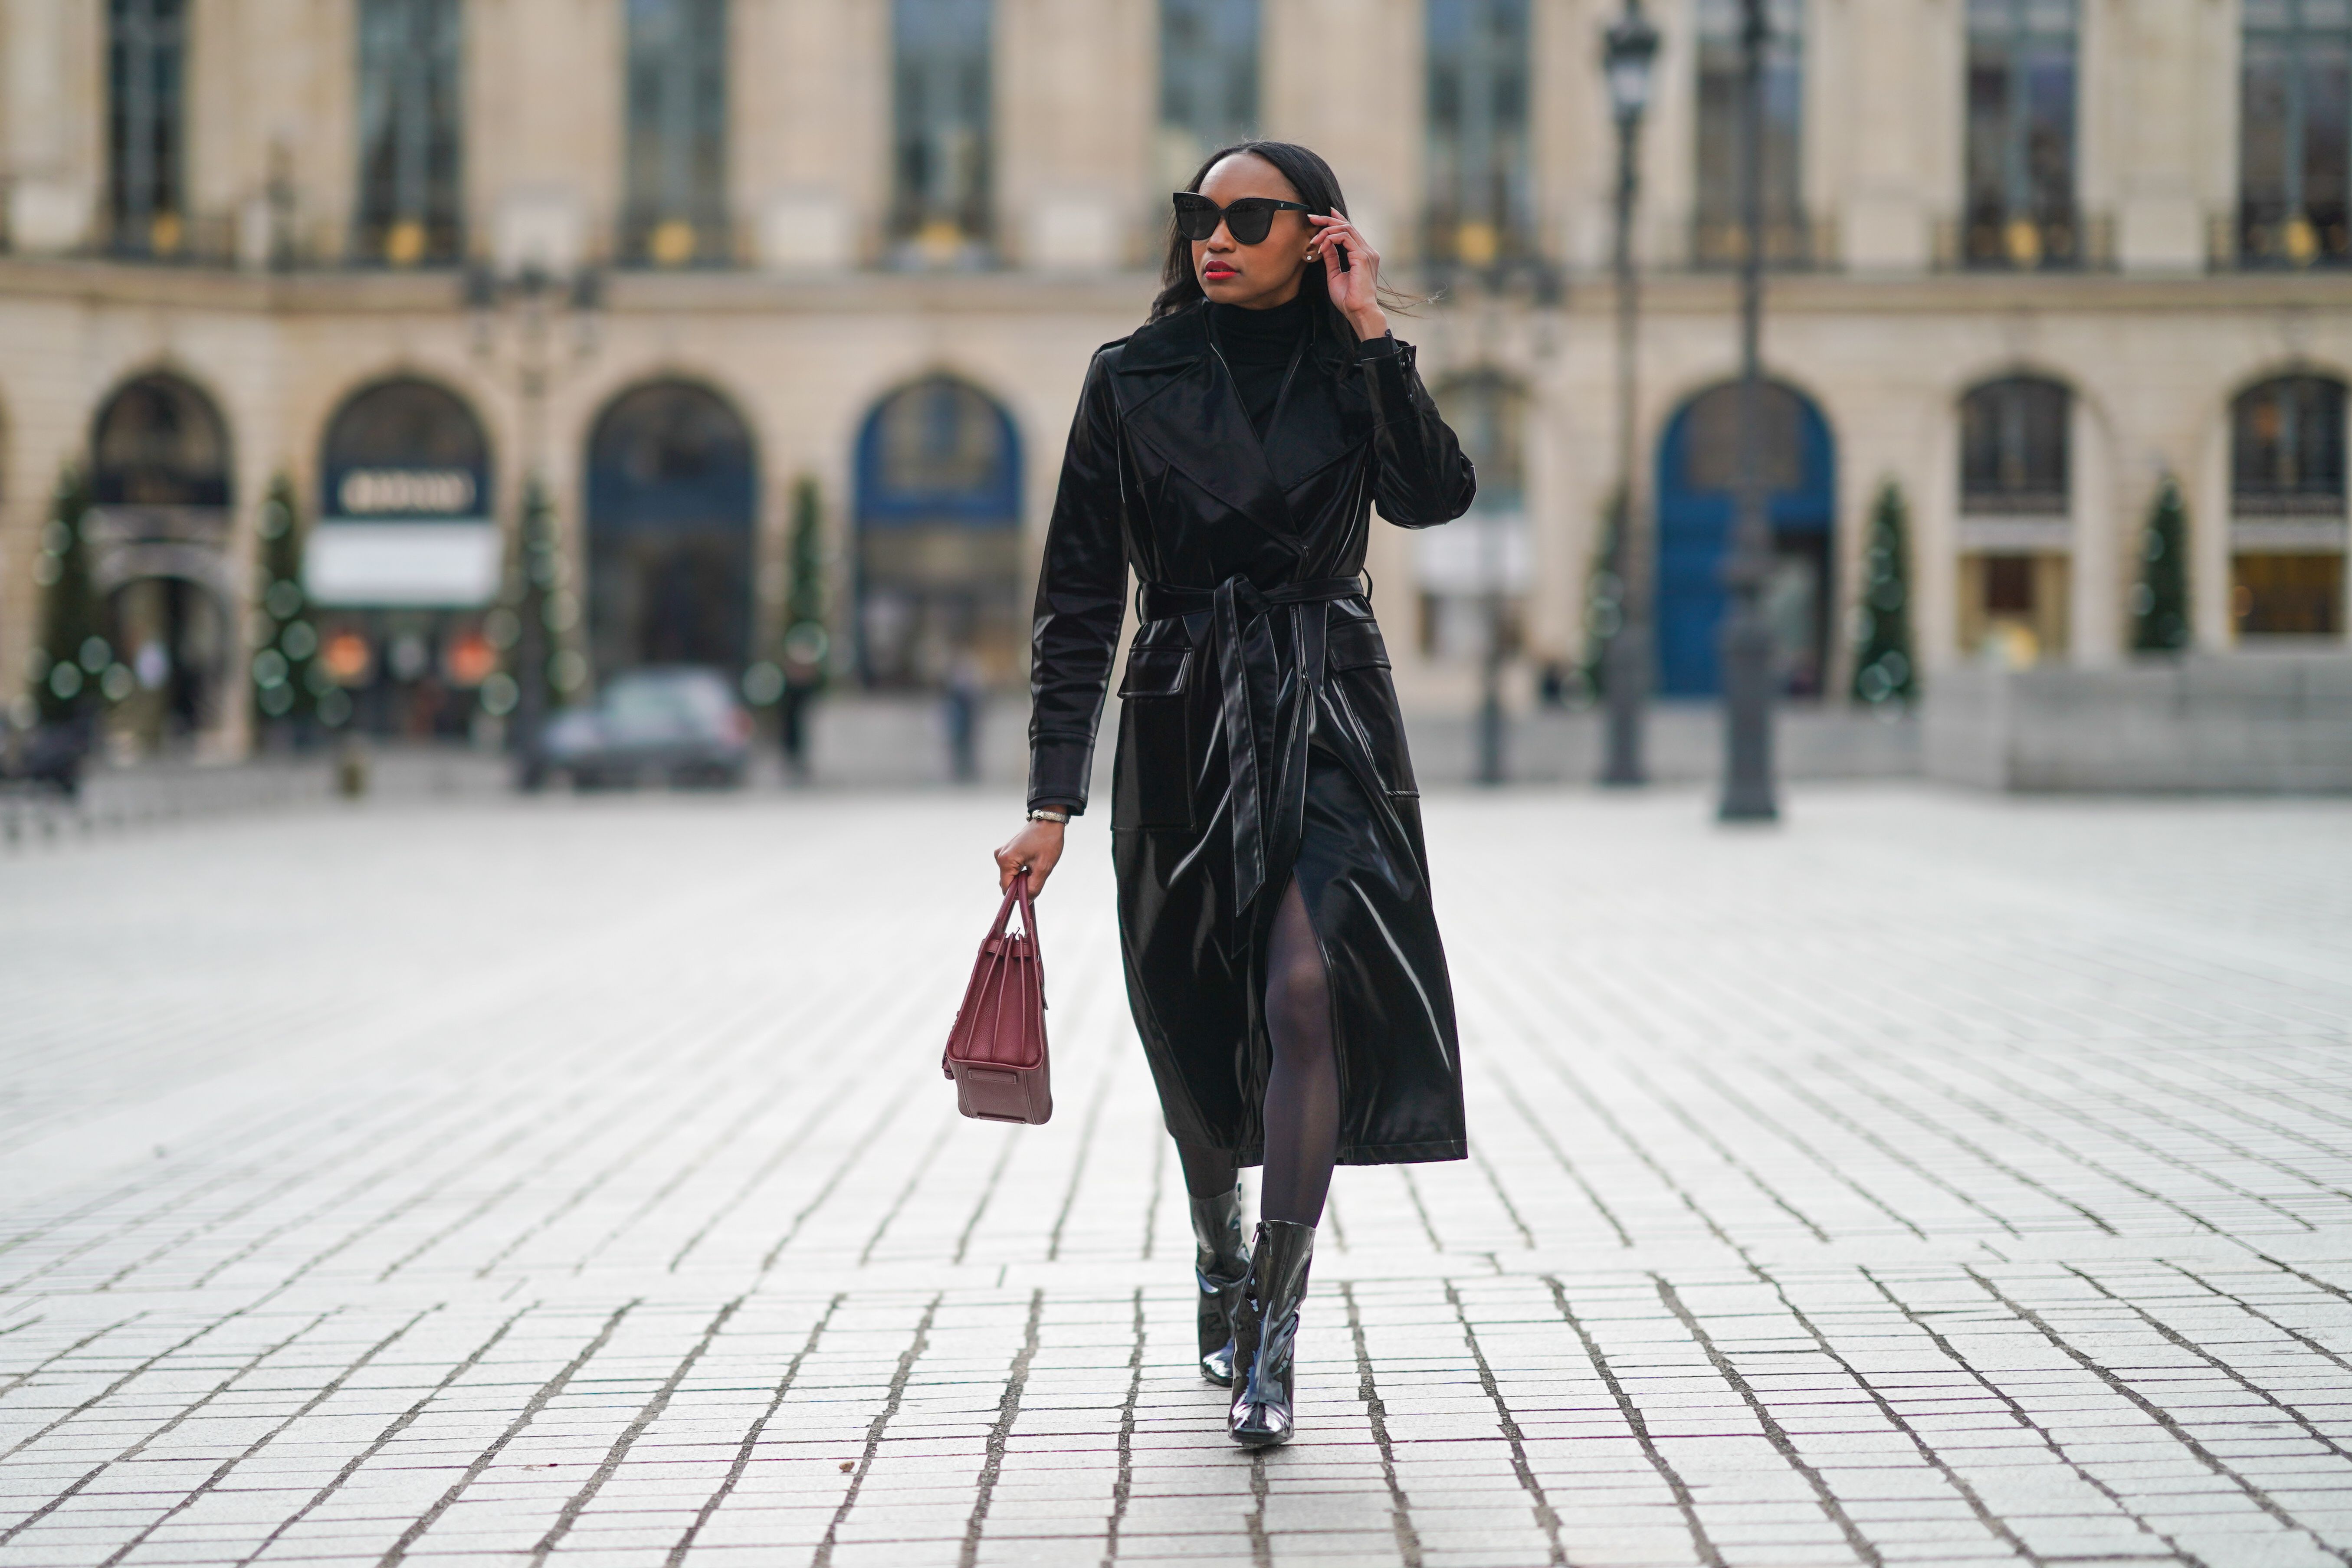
(996, 1047)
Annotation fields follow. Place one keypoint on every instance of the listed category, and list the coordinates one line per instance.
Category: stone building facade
(2035, 258)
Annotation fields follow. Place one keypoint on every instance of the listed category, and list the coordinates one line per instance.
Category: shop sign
(405, 538)
(442, 564)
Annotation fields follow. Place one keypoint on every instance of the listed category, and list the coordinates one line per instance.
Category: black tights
(1302, 1092)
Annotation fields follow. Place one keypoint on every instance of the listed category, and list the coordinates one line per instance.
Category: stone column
(2153, 112)
(52, 120)
(546, 116)
(1345, 76)
(1076, 96)
(1900, 67)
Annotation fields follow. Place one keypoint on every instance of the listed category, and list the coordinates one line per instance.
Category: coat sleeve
(1081, 600)
(1420, 477)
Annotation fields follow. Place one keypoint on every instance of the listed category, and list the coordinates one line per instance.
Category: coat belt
(1234, 607)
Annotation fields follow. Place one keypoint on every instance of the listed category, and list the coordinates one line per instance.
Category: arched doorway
(939, 536)
(1697, 468)
(673, 489)
(158, 528)
(406, 560)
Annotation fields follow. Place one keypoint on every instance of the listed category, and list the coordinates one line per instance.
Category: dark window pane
(2295, 136)
(1208, 81)
(1717, 234)
(2008, 585)
(2020, 133)
(677, 156)
(160, 442)
(2287, 447)
(1479, 206)
(941, 144)
(146, 55)
(411, 141)
(2013, 448)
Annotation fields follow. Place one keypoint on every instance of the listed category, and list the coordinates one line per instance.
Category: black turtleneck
(1257, 346)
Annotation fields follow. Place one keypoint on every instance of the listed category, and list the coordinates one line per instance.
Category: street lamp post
(533, 294)
(1627, 51)
(1747, 645)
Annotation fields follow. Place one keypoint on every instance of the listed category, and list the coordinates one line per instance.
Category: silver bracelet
(1048, 813)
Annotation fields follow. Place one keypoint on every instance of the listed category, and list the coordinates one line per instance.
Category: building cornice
(96, 284)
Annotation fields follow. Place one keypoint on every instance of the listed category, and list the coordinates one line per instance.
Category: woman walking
(1282, 956)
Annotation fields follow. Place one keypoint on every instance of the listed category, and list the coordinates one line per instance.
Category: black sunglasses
(1248, 220)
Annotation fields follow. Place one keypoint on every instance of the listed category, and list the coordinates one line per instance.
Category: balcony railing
(2270, 236)
(1998, 240)
(1790, 241)
(668, 239)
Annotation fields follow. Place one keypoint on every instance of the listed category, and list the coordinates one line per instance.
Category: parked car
(680, 725)
(48, 755)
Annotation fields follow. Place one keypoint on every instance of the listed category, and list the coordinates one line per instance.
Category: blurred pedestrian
(963, 697)
(806, 646)
(1283, 960)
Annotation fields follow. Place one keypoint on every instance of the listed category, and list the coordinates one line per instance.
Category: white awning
(437, 565)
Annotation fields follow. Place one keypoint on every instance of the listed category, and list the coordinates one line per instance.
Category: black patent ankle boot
(1265, 1334)
(1221, 1269)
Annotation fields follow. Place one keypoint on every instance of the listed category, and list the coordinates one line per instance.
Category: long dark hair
(1316, 186)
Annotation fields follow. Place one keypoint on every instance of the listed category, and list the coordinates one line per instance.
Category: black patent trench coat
(1258, 734)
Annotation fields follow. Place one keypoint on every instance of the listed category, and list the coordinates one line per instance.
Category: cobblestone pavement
(1935, 1179)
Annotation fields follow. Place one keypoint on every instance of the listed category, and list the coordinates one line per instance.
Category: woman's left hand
(1355, 290)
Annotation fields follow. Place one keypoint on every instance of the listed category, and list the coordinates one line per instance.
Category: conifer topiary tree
(74, 652)
(1883, 667)
(286, 641)
(805, 644)
(2160, 601)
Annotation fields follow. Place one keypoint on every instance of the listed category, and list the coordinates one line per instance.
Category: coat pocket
(1154, 780)
(1357, 660)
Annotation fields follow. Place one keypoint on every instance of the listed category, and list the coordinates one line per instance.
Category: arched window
(2287, 447)
(2287, 510)
(1717, 236)
(676, 207)
(146, 61)
(940, 146)
(2295, 104)
(1474, 574)
(939, 535)
(411, 131)
(404, 448)
(673, 492)
(403, 561)
(158, 442)
(2021, 145)
(1479, 211)
(1208, 80)
(2013, 448)
(159, 468)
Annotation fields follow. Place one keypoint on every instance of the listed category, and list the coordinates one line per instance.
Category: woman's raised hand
(1038, 846)
(1356, 290)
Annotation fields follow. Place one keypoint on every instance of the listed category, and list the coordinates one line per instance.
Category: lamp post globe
(1628, 50)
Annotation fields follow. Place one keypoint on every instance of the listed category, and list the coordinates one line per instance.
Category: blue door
(1698, 466)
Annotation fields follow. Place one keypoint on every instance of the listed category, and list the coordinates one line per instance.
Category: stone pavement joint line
(1932, 1180)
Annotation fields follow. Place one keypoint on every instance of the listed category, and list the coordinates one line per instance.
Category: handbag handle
(1019, 891)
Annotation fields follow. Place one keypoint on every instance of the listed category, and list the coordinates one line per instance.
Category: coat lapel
(1329, 414)
(1180, 404)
